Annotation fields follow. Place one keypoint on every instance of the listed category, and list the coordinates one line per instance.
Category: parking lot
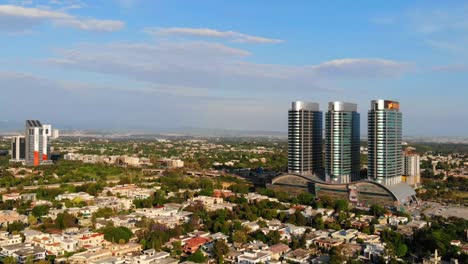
(432, 208)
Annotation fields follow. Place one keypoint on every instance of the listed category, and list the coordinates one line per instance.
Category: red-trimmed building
(193, 244)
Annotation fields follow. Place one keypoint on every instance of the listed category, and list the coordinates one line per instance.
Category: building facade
(18, 149)
(37, 143)
(305, 138)
(342, 143)
(411, 167)
(385, 159)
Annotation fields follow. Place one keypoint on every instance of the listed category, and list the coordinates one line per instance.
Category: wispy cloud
(436, 20)
(217, 68)
(454, 68)
(211, 33)
(15, 17)
(363, 67)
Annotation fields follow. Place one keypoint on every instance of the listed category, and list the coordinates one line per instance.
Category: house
(92, 240)
(72, 196)
(295, 231)
(219, 236)
(21, 252)
(9, 239)
(274, 224)
(232, 256)
(350, 250)
(193, 244)
(255, 246)
(252, 226)
(110, 260)
(324, 259)
(30, 234)
(9, 217)
(89, 256)
(278, 250)
(123, 249)
(397, 220)
(150, 256)
(417, 224)
(251, 257)
(345, 234)
(297, 256)
(328, 243)
(131, 191)
(11, 197)
(372, 252)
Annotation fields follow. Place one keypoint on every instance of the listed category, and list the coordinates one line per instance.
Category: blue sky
(153, 64)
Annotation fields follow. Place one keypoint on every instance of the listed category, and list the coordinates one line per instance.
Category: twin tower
(342, 141)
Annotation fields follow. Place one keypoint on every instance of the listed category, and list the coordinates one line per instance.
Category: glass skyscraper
(342, 135)
(305, 138)
(385, 160)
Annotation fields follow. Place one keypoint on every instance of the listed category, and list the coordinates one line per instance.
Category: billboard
(392, 105)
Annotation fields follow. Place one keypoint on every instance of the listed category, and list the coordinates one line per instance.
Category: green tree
(65, 220)
(9, 260)
(341, 205)
(116, 234)
(377, 210)
(239, 236)
(273, 237)
(197, 257)
(32, 220)
(29, 260)
(40, 210)
(317, 222)
(220, 249)
(15, 226)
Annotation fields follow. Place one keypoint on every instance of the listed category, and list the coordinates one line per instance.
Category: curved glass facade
(342, 129)
(304, 138)
(385, 160)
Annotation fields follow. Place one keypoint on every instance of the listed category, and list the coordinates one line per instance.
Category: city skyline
(149, 65)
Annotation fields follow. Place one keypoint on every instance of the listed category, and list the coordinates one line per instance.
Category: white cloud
(363, 67)
(27, 12)
(19, 18)
(452, 68)
(92, 24)
(211, 33)
(220, 69)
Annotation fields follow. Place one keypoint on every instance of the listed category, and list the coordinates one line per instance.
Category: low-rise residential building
(124, 249)
(373, 251)
(193, 244)
(278, 250)
(9, 217)
(90, 256)
(345, 235)
(11, 196)
(9, 239)
(91, 240)
(297, 256)
(328, 243)
(22, 252)
(252, 257)
(131, 191)
(72, 196)
(150, 256)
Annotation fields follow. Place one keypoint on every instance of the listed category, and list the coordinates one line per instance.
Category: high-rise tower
(342, 162)
(385, 159)
(305, 138)
(18, 149)
(37, 143)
